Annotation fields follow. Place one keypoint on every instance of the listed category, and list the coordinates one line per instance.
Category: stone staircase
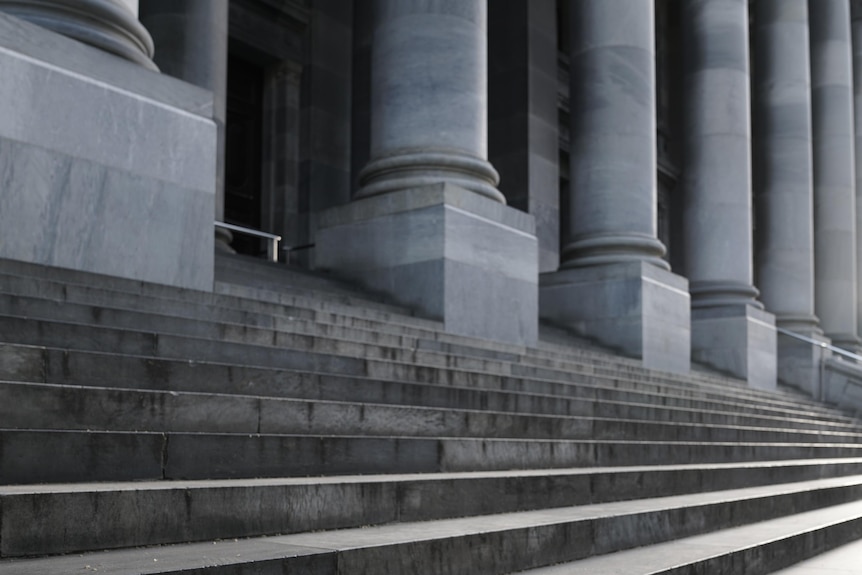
(288, 423)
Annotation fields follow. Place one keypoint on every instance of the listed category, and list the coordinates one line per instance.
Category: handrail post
(271, 239)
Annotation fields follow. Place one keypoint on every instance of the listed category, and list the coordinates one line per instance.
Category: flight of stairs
(288, 423)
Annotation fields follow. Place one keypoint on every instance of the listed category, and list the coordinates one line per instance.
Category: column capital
(109, 25)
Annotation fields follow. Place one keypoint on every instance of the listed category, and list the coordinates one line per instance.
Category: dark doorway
(243, 151)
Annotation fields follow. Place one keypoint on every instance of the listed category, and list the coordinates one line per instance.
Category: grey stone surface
(110, 25)
(835, 288)
(717, 151)
(612, 207)
(638, 308)
(430, 249)
(192, 40)
(740, 340)
(87, 190)
(523, 133)
(783, 161)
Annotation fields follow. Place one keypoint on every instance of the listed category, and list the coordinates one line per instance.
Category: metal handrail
(832, 348)
(272, 239)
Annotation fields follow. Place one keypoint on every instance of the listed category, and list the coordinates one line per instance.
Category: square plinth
(635, 307)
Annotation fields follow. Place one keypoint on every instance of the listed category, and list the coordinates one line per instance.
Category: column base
(737, 339)
(447, 252)
(635, 307)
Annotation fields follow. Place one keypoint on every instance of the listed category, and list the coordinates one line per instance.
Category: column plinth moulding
(110, 25)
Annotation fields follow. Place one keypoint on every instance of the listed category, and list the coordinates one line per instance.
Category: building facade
(674, 178)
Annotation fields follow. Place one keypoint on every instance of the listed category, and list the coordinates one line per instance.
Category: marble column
(429, 121)
(834, 171)
(856, 31)
(428, 225)
(110, 25)
(192, 37)
(614, 284)
(783, 182)
(730, 329)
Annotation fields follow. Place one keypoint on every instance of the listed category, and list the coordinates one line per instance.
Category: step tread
(190, 556)
(664, 557)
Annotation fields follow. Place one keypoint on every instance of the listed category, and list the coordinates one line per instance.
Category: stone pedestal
(449, 253)
(799, 362)
(636, 307)
(104, 167)
(737, 339)
(110, 25)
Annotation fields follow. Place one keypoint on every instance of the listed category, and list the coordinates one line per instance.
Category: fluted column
(111, 25)
(612, 215)
(429, 101)
(192, 36)
(729, 329)
(834, 171)
(613, 284)
(783, 164)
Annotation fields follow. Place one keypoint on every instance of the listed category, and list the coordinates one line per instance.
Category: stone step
(146, 513)
(24, 364)
(257, 273)
(435, 340)
(507, 542)
(25, 306)
(58, 407)
(37, 456)
(333, 357)
(757, 549)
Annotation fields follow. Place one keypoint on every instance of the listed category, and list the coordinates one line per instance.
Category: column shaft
(783, 161)
(429, 101)
(110, 25)
(856, 31)
(834, 170)
(612, 212)
(717, 152)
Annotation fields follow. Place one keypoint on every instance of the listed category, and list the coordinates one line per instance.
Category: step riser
(68, 457)
(151, 517)
(52, 407)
